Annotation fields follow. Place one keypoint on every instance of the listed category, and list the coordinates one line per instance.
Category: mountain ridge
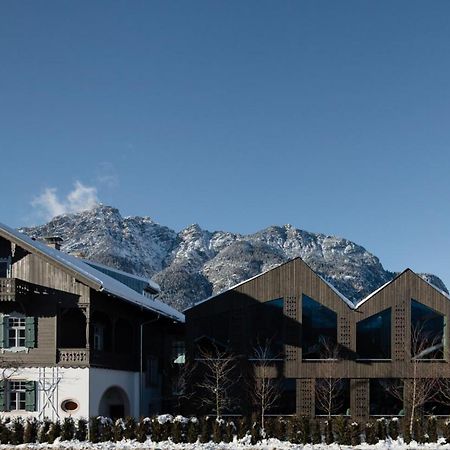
(193, 264)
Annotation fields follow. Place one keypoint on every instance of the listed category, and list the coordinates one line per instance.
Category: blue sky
(331, 116)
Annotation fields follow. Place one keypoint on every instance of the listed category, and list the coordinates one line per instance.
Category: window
(16, 395)
(178, 352)
(5, 265)
(385, 397)
(373, 336)
(99, 333)
(319, 325)
(267, 333)
(151, 374)
(427, 332)
(17, 331)
(332, 397)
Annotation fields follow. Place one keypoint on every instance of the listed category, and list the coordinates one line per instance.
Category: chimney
(53, 242)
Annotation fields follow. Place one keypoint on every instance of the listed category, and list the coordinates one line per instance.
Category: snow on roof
(349, 303)
(338, 293)
(102, 281)
(151, 283)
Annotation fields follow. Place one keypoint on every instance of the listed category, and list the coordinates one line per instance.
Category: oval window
(69, 405)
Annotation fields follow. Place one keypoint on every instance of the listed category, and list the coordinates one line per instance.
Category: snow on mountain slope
(195, 263)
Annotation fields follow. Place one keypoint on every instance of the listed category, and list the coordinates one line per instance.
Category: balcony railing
(73, 357)
(10, 288)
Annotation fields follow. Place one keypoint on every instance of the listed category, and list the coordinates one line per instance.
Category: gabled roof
(88, 275)
(149, 284)
(346, 300)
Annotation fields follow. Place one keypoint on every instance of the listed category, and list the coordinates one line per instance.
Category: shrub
(445, 431)
(293, 429)
(432, 429)
(329, 438)
(43, 430)
(17, 431)
(30, 431)
(393, 428)
(94, 429)
(129, 431)
(229, 432)
(217, 430)
(316, 434)
(205, 429)
(118, 429)
(243, 427)
(255, 430)
(355, 434)
(341, 430)
(305, 430)
(67, 429)
(178, 433)
(143, 429)
(193, 430)
(381, 429)
(82, 431)
(54, 432)
(5, 433)
(106, 429)
(418, 431)
(406, 432)
(371, 433)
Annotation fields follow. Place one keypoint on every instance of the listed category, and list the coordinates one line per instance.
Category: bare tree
(182, 376)
(265, 387)
(218, 378)
(420, 390)
(329, 387)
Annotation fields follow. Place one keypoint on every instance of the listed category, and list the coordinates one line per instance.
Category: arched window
(319, 330)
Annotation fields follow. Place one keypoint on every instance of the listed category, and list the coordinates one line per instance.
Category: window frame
(17, 392)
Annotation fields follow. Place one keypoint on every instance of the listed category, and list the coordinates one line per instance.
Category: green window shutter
(4, 331)
(30, 332)
(30, 396)
(2, 395)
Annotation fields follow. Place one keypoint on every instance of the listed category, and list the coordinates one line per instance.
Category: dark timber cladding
(227, 318)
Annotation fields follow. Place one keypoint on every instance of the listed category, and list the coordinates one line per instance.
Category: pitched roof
(88, 275)
(346, 300)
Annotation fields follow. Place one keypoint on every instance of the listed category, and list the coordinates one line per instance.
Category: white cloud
(81, 198)
(107, 175)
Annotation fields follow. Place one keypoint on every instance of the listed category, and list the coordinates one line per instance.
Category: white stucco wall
(103, 379)
(53, 386)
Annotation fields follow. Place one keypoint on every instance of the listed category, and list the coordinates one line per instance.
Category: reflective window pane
(427, 331)
(319, 330)
(385, 396)
(373, 336)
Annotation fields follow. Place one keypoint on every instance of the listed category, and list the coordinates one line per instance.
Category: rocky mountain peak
(194, 263)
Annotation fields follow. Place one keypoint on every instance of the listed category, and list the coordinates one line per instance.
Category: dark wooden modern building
(81, 339)
(370, 354)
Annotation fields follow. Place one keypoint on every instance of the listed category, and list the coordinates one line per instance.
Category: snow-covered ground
(270, 444)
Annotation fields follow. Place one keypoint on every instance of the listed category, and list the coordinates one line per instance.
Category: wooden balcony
(11, 288)
(73, 357)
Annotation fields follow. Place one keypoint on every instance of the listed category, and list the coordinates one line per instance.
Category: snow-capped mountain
(195, 263)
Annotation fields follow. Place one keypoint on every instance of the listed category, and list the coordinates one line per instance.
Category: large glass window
(319, 330)
(267, 322)
(332, 396)
(373, 336)
(386, 397)
(427, 332)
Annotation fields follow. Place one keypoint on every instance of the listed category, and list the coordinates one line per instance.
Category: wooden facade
(67, 309)
(227, 319)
